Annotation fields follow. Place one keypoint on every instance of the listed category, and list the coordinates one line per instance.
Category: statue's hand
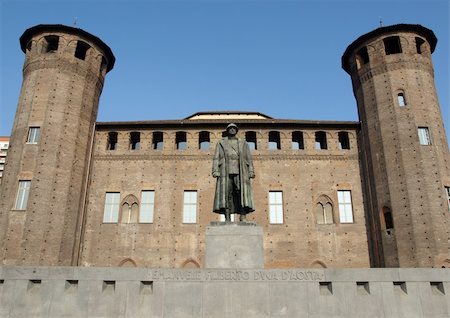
(216, 174)
(251, 175)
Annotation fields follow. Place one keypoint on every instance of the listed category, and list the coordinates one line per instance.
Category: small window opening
(388, 221)
(363, 288)
(112, 141)
(180, 140)
(424, 136)
(326, 288)
(203, 140)
(420, 48)
(135, 140)
(274, 140)
(321, 140)
(103, 65)
(437, 288)
(51, 43)
(400, 287)
(447, 191)
(80, 51)
(392, 45)
(344, 142)
(29, 46)
(250, 137)
(401, 99)
(297, 140)
(158, 140)
(362, 57)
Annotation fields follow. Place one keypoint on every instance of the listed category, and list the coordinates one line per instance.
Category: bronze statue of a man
(233, 168)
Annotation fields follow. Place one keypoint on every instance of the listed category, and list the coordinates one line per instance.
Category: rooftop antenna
(381, 22)
(75, 21)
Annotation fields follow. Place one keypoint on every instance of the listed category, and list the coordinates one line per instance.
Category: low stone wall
(139, 292)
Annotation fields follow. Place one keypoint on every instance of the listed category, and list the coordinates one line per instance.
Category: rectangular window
(147, 207)
(33, 135)
(424, 136)
(345, 206)
(111, 212)
(275, 207)
(447, 190)
(190, 207)
(22, 195)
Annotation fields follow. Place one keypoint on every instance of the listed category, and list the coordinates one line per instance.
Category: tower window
(29, 46)
(158, 140)
(190, 207)
(392, 45)
(103, 65)
(112, 141)
(111, 211)
(80, 51)
(22, 195)
(401, 99)
(275, 207)
(33, 135)
(180, 140)
(135, 140)
(250, 137)
(344, 141)
(387, 216)
(424, 136)
(51, 43)
(362, 57)
(203, 140)
(297, 140)
(345, 206)
(420, 48)
(321, 140)
(274, 140)
(447, 191)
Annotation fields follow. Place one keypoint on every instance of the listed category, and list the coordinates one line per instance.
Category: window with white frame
(147, 206)
(275, 207)
(33, 135)
(112, 204)
(401, 99)
(345, 206)
(447, 190)
(190, 207)
(23, 193)
(424, 136)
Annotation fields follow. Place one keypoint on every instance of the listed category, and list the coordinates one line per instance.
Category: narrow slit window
(158, 140)
(424, 136)
(111, 211)
(392, 45)
(324, 211)
(274, 140)
(345, 206)
(420, 45)
(23, 193)
(135, 140)
(344, 141)
(51, 44)
(190, 207)
(297, 140)
(147, 206)
(401, 99)
(250, 137)
(447, 191)
(321, 140)
(33, 135)
(81, 50)
(180, 140)
(387, 216)
(203, 140)
(112, 141)
(276, 207)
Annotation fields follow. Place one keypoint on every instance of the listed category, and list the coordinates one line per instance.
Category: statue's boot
(242, 218)
(227, 216)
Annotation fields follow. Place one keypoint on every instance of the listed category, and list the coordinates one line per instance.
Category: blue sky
(175, 58)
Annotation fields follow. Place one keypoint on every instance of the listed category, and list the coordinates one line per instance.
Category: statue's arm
(216, 160)
(248, 159)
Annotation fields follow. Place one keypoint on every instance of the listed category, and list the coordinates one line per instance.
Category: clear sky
(175, 58)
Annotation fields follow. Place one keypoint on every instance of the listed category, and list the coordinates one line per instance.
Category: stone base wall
(140, 292)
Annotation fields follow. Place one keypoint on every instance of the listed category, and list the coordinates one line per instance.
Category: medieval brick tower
(404, 151)
(47, 164)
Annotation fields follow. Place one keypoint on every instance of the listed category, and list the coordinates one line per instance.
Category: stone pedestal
(234, 245)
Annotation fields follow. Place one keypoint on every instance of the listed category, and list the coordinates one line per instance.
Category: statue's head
(232, 130)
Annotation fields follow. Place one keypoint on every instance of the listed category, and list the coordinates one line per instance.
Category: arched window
(135, 140)
(130, 210)
(250, 137)
(180, 140)
(321, 140)
(158, 140)
(81, 49)
(112, 141)
(362, 57)
(274, 140)
(392, 45)
(401, 99)
(324, 210)
(297, 140)
(203, 140)
(420, 47)
(344, 142)
(51, 44)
